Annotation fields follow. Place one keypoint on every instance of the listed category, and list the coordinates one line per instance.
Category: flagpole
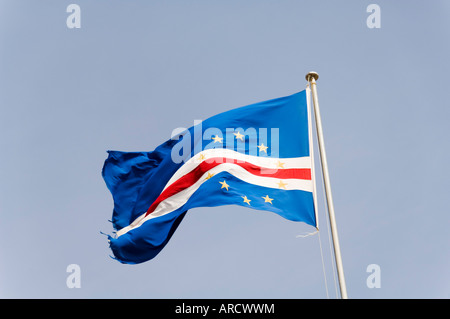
(311, 77)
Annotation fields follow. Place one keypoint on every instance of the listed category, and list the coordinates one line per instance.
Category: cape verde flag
(257, 156)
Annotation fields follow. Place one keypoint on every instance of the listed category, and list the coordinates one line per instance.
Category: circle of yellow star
(246, 200)
(282, 185)
(267, 199)
(279, 164)
(217, 139)
(263, 148)
(224, 184)
(239, 136)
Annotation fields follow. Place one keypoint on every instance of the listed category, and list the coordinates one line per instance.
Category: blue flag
(257, 156)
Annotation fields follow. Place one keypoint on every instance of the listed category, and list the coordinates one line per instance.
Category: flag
(257, 156)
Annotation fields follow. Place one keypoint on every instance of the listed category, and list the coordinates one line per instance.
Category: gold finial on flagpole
(312, 75)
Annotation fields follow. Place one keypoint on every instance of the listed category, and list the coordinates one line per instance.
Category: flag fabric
(258, 156)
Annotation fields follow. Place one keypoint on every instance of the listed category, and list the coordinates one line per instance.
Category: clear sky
(136, 70)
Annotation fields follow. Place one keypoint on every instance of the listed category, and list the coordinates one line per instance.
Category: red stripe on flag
(193, 176)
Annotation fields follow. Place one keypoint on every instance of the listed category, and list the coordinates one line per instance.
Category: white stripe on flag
(177, 200)
(264, 162)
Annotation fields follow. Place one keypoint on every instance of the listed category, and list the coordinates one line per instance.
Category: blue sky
(136, 70)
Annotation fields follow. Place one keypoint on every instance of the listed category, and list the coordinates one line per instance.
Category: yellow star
(201, 157)
(224, 184)
(282, 185)
(267, 199)
(279, 164)
(239, 136)
(209, 175)
(246, 200)
(217, 139)
(263, 148)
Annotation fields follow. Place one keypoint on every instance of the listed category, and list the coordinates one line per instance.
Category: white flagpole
(311, 77)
